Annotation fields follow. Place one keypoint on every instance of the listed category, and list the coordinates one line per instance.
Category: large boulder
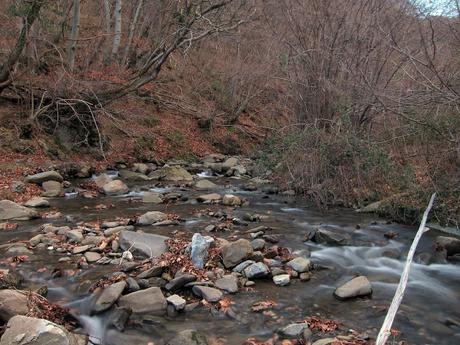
(11, 211)
(129, 175)
(450, 244)
(176, 173)
(23, 330)
(359, 286)
(44, 176)
(149, 301)
(109, 296)
(229, 163)
(12, 302)
(115, 187)
(142, 244)
(235, 252)
(188, 337)
(152, 217)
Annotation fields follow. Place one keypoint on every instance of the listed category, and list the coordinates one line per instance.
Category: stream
(429, 314)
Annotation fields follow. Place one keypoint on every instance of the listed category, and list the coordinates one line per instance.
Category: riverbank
(220, 256)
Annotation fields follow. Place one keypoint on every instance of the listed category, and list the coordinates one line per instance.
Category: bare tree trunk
(131, 30)
(7, 67)
(108, 30)
(117, 28)
(74, 34)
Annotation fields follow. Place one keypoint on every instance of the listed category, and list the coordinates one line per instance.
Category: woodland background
(345, 101)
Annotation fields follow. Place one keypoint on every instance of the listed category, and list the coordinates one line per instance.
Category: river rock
(92, 257)
(257, 270)
(178, 302)
(178, 282)
(282, 279)
(11, 211)
(142, 244)
(37, 202)
(12, 302)
(240, 267)
(324, 341)
(231, 200)
(359, 286)
(155, 271)
(326, 236)
(229, 163)
(18, 249)
(149, 301)
(176, 173)
(258, 244)
(74, 236)
(113, 231)
(205, 184)
(228, 283)
(207, 293)
(199, 252)
(188, 337)
(235, 252)
(92, 240)
(451, 244)
(213, 197)
(23, 330)
(294, 330)
(102, 180)
(115, 187)
(141, 168)
(44, 176)
(52, 189)
(152, 217)
(108, 297)
(80, 249)
(300, 264)
(152, 198)
(129, 175)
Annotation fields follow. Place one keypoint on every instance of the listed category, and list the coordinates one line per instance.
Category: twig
(385, 331)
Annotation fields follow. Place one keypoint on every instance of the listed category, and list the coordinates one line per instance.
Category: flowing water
(430, 313)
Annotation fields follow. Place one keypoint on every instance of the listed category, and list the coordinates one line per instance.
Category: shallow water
(430, 313)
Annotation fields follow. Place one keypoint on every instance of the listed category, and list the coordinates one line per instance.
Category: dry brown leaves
(8, 226)
(262, 305)
(41, 308)
(104, 282)
(254, 341)
(323, 325)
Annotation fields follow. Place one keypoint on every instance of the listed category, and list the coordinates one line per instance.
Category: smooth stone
(231, 200)
(102, 180)
(258, 244)
(208, 293)
(142, 244)
(18, 249)
(230, 163)
(176, 173)
(239, 268)
(228, 283)
(149, 301)
(178, 302)
(23, 330)
(179, 282)
(330, 237)
(257, 270)
(154, 271)
(115, 187)
(12, 302)
(81, 249)
(152, 217)
(213, 197)
(37, 202)
(109, 296)
(294, 330)
(300, 264)
(359, 286)
(74, 236)
(52, 189)
(115, 230)
(451, 244)
(282, 279)
(205, 184)
(235, 252)
(44, 176)
(152, 198)
(129, 175)
(11, 211)
(92, 257)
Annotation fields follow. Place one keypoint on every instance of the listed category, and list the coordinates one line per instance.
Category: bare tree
(73, 39)
(27, 20)
(117, 27)
(132, 28)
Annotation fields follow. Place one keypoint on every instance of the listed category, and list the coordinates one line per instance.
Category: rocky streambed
(206, 253)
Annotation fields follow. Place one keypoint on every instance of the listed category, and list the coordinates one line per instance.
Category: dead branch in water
(385, 331)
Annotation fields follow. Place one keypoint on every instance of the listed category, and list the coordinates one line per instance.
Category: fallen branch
(385, 331)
